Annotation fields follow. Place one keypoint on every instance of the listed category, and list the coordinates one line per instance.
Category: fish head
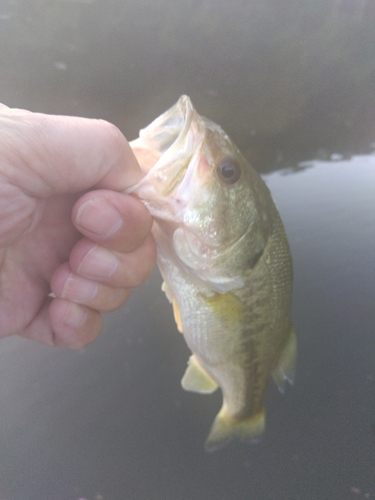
(199, 185)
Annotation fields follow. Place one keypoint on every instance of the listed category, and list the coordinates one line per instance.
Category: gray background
(293, 83)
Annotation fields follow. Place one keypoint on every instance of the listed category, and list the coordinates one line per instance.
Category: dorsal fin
(286, 365)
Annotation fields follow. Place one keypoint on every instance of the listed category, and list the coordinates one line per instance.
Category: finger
(127, 270)
(64, 324)
(74, 325)
(67, 285)
(47, 155)
(114, 220)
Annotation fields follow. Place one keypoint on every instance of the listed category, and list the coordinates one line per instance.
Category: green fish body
(226, 264)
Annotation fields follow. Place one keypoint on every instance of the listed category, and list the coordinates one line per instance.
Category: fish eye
(228, 170)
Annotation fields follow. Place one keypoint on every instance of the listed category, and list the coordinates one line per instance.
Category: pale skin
(66, 227)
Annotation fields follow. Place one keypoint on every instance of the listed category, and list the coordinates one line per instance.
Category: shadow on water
(289, 81)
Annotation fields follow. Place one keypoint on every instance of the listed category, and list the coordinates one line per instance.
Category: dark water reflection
(112, 422)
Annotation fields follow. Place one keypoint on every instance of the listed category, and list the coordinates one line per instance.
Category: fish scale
(226, 264)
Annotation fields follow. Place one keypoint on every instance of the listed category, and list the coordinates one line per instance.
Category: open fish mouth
(169, 136)
(170, 151)
(164, 150)
(170, 128)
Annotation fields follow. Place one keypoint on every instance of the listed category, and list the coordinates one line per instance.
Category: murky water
(112, 422)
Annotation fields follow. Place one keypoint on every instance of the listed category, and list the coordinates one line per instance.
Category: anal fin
(196, 379)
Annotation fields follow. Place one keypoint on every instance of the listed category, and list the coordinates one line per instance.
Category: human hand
(90, 248)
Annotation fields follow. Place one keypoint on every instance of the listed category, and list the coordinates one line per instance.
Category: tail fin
(225, 428)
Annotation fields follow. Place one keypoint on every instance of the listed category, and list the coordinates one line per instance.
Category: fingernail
(98, 263)
(79, 289)
(99, 216)
(75, 315)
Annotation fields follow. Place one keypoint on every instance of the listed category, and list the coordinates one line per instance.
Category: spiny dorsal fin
(286, 365)
(196, 379)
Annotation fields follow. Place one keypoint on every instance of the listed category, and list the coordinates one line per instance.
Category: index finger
(47, 155)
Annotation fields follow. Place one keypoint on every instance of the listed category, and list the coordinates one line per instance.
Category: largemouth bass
(225, 260)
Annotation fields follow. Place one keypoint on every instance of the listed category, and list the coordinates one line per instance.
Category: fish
(226, 264)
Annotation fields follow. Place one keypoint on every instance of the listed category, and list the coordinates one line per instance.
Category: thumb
(46, 155)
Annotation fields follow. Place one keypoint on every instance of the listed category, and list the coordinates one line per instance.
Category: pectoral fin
(166, 290)
(176, 310)
(225, 428)
(177, 315)
(196, 379)
(286, 365)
